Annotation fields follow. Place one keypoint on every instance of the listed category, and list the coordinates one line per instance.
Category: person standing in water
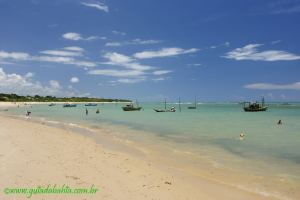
(279, 122)
(86, 112)
(97, 111)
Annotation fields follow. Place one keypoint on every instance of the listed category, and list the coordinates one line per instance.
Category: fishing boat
(255, 107)
(131, 107)
(165, 110)
(68, 105)
(91, 104)
(52, 104)
(194, 106)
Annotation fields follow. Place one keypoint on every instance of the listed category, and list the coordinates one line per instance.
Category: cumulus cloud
(98, 5)
(164, 52)
(74, 80)
(16, 83)
(270, 86)
(250, 52)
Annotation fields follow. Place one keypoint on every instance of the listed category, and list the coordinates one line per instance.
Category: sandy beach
(34, 154)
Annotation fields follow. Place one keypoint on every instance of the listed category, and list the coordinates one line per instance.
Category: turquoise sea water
(212, 128)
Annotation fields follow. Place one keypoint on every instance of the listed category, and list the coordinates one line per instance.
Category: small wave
(52, 122)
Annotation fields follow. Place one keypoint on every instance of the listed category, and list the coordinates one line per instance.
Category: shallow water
(212, 130)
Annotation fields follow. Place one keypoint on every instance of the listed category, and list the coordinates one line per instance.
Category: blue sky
(217, 50)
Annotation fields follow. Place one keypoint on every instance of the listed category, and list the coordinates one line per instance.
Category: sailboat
(194, 106)
(165, 110)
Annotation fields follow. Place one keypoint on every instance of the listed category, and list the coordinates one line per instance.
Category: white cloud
(74, 48)
(20, 56)
(97, 5)
(64, 60)
(29, 75)
(250, 52)
(269, 86)
(117, 73)
(117, 58)
(54, 84)
(132, 42)
(15, 83)
(275, 41)
(139, 41)
(225, 44)
(124, 61)
(130, 81)
(14, 55)
(113, 44)
(161, 72)
(74, 80)
(160, 78)
(195, 64)
(61, 53)
(118, 33)
(164, 52)
(72, 36)
(77, 36)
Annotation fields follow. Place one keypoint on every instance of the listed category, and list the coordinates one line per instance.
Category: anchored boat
(131, 107)
(68, 105)
(255, 107)
(165, 110)
(194, 106)
(91, 104)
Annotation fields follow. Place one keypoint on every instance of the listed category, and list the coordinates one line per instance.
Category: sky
(150, 50)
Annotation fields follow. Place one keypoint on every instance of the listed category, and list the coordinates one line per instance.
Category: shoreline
(182, 185)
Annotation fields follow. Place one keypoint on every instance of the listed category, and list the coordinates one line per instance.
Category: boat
(52, 104)
(255, 107)
(131, 107)
(194, 106)
(68, 105)
(165, 110)
(91, 104)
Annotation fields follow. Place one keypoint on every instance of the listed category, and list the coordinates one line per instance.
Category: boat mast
(195, 102)
(137, 103)
(165, 104)
(179, 105)
(263, 101)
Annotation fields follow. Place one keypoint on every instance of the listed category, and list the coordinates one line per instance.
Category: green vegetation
(37, 98)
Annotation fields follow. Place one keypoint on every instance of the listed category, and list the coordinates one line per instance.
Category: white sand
(33, 154)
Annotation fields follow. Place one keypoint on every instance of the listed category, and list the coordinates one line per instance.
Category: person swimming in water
(279, 122)
(97, 111)
(242, 136)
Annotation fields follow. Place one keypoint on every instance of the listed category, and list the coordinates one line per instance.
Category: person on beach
(279, 122)
(242, 136)
(86, 112)
(28, 113)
